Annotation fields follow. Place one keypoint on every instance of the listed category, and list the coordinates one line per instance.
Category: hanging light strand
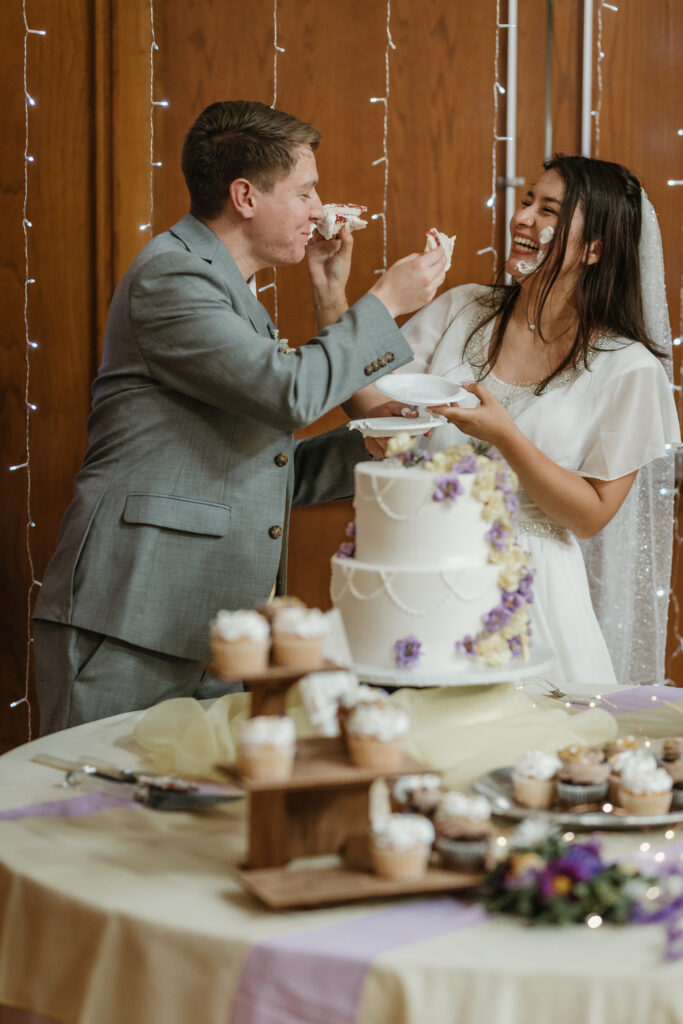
(277, 49)
(384, 159)
(153, 48)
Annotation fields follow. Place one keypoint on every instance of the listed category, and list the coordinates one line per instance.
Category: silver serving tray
(496, 786)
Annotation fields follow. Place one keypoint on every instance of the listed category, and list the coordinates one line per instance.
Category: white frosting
(330, 225)
(464, 805)
(321, 693)
(306, 622)
(638, 779)
(268, 730)
(642, 758)
(364, 694)
(547, 234)
(407, 784)
(240, 625)
(383, 722)
(402, 831)
(443, 240)
(536, 764)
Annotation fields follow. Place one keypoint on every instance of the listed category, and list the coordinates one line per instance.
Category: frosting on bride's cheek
(546, 235)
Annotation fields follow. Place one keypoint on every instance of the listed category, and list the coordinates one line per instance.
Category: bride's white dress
(604, 422)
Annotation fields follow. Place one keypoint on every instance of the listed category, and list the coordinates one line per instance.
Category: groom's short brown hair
(239, 139)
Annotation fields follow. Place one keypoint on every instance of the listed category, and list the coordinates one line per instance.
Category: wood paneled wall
(89, 187)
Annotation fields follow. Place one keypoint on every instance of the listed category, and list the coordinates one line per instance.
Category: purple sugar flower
(467, 464)
(503, 481)
(347, 549)
(511, 502)
(497, 618)
(512, 600)
(525, 588)
(408, 652)
(494, 454)
(468, 646)
(497, 536)
(447, 488)
(515, 645)
(350, 530)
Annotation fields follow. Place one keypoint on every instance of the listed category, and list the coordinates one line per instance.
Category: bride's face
(533, 227)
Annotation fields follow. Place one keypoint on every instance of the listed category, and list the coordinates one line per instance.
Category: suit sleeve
(323, 465)
(194, 341)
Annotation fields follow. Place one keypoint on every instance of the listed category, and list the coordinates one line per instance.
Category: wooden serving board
(269, 688)
(286, 888)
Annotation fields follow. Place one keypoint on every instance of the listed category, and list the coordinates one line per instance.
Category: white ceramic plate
(420, 389)
(386, 426)
(496, 786)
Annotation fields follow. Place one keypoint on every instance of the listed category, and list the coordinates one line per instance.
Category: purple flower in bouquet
(347, 549)
(497, 618)
(525, 588)
(408, 652)
(350, 530)
(468, 646)
(580, 863)
(467, 464)
(497, 536)
(447, 488)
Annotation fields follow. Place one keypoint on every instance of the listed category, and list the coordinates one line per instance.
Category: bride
(569, 365)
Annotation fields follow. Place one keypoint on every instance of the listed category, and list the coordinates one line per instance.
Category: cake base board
(540, 660)
(286, 888)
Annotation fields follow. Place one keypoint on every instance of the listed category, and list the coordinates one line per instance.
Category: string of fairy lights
(153, 47)
(384, 158)
(277, 50)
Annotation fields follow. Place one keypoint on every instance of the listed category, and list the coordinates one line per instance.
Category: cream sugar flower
(494, 649)
(495, 507)
(515, 561)
(400, 443)
(517, 624)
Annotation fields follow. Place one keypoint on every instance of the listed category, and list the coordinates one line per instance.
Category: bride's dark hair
(607, 295)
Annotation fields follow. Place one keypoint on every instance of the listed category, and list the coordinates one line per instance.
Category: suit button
(369, 370)
(281, 459)
(389, 357)
(275, 532)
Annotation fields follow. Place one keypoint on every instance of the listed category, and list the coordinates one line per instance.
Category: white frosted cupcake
(645, 790)
(417, 794)
(361, 694)
(240, 642)
(617, 763)
(375, 734)
(672, 760)
(266, 748)
(463, 827)
(299, 637)
(401, 845)
(322, 693)
(533, 779)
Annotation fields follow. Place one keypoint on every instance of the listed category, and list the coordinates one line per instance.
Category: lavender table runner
(74, 807)
(640, 698)
(316, 976)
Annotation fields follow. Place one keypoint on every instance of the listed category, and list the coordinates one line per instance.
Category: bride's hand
(489, 421)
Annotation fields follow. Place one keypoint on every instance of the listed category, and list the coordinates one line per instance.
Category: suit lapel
(199, 239)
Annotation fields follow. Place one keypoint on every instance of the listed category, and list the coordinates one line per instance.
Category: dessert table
(113, 912)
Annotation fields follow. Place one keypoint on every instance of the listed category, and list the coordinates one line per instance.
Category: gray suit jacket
(182, 504)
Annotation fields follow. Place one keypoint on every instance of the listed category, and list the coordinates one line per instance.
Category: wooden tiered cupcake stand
(322, 808)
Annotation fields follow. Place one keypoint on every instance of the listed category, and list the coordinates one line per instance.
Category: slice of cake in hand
(336, 215)
(436, 238)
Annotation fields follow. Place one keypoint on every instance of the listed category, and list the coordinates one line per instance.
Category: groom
(182, 503)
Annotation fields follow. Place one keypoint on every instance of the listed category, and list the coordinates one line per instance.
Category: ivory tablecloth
(116, 914)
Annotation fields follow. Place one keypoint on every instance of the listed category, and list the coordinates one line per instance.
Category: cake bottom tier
(381, 605)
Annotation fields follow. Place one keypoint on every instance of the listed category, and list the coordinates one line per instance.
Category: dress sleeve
(424, 332)
(634, 420)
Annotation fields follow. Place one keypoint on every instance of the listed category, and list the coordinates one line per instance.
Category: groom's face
(284, 216)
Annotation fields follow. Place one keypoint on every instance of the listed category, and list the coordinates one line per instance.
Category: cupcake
(240, 642)
(299, 637)
(266, 746)
(618, 762)
(533, 779)
(322, 693)
(375, 734)
(401, 846)
(644, 790)
(417, 794)
(361, 694)
(463, 827)
(620, 744)
(672, 757)
(584, 775)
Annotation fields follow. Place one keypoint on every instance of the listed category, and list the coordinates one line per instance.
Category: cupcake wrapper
(536, 793)
(645, 803)
(462, 854)
(581, 793)
(677, 797)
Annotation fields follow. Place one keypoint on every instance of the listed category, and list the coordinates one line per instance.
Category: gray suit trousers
(108, 676)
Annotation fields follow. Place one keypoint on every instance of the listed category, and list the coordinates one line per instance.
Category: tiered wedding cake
(431, 578)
